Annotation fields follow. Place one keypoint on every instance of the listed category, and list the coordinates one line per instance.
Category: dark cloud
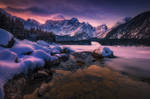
(89, 9)
(34, 10)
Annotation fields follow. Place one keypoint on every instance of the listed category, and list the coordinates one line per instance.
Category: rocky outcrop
(20, 85)
(6, 39)
(103, 52)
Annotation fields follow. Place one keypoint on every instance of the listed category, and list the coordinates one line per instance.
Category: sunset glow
(95, 12)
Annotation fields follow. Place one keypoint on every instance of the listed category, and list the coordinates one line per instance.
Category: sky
(95, 12)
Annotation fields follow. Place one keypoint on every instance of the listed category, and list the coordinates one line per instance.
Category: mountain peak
(74, 19)
(57, 17)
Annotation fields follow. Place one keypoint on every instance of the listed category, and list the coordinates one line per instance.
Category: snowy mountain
(66, 29)
(136, 28)
(71, 28)
(101, 31)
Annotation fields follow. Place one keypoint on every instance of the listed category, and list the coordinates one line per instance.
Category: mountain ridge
(137, 28)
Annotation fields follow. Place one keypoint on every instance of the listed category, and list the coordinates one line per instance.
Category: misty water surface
(131, 60)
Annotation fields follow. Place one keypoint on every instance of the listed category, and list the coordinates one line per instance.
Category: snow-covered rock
(43, 43)
(7, 71)
(107, 52)
(31, 62)
(25, 55)
(103, 52)
(7, 55)
(22, 49)
(56, 50)
(42, 55)
(5, 38)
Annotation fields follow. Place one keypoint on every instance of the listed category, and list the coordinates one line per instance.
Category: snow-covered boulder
(31, 62)
(22, 49)
(56, 50)
(42, 55)
(7, 55)
(107, 52)
(7, 71)
(103, 52)
(43, 43)
(6, 38)
(18, 56)
(39, 47)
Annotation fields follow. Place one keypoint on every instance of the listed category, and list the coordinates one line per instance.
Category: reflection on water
(132, 60)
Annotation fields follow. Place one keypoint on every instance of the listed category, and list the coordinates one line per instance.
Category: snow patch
(7, 55)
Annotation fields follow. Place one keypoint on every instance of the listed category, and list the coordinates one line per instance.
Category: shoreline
(47, 75)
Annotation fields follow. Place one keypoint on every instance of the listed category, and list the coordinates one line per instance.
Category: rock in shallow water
(107, 52)
(101, 53)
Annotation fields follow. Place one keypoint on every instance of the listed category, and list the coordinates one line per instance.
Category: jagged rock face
(136, 28)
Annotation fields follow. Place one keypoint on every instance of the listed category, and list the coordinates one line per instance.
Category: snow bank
(42, 43)
(56, 50)
(5, 37)
(43, 55)
(22, 49)
(31, 62)
(24, 55)
(7, 70)
(7, 55)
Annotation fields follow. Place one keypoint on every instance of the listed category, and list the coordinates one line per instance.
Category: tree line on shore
(16, 27)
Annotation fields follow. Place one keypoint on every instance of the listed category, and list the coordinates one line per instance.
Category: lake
(131, 59)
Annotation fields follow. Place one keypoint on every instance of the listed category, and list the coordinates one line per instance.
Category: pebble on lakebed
(93, 82)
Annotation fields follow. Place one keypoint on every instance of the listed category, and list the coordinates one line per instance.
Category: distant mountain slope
(65, 29)
(136, 28)
(101, 31)
(70, 27)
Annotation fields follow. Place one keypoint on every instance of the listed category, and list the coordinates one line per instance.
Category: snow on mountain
(136, 28)
(72, 29)
(101, 31)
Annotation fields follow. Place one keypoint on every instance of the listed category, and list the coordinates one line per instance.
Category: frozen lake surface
(132, 60)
